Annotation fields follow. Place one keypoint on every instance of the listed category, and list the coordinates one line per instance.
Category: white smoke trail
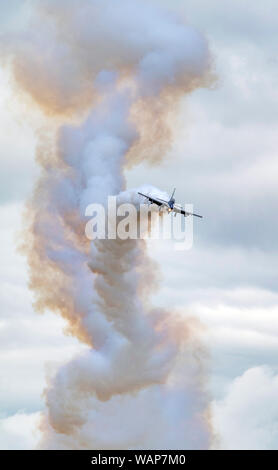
(124, 63)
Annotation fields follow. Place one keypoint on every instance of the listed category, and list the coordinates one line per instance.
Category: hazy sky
(224, 162)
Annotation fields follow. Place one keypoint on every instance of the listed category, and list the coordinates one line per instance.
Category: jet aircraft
(169, 206)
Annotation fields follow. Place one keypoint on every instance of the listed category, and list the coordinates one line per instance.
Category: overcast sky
(223, 161)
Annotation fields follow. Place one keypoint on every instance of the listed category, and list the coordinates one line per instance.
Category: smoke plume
(109, 75)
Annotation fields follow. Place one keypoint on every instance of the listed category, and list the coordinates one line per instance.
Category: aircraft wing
(179, 210)
(154, 200)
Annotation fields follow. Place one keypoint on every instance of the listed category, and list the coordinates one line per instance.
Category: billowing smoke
(109, 75)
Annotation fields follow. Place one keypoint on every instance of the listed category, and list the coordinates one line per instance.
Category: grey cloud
(235, 21)
(205, 268)
(18, 432)
(247, 418)
(13, 13)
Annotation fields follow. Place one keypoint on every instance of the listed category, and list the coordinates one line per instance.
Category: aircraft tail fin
(173, 193)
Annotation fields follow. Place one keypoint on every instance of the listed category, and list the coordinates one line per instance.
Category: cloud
(19, 431)
(13, 14)
(28, 341)
(225, 160)
(250, 21)
(234, 294)
(228, 173)
(17, 144)
(212, 267)
(247, 418)
(226, 164)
